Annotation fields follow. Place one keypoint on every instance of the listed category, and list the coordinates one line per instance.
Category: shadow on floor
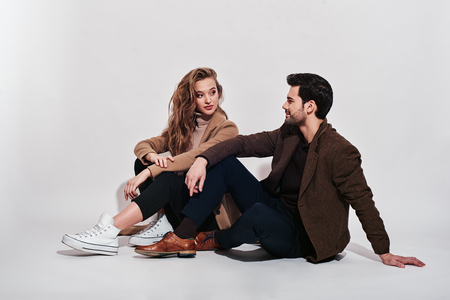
(362, 251)
(76, 253)
(258, 254)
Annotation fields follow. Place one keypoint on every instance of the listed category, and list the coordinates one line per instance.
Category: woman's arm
(223, 131)
(146, 148)
(182, 162)
(132, 185)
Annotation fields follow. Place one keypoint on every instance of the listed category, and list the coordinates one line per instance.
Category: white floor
(81, 82)
(39, 266)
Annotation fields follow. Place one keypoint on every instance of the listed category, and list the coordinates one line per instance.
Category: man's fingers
(413, 261)
(400, 265)
(397, 263)
(419, 263)
(401, 261)
(200, 183)
(189, 185)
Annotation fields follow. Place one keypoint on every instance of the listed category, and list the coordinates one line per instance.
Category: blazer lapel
(310, 169)
(290, 144)
(312, 159)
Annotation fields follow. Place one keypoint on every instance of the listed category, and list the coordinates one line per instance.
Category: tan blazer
(217, 130)
(332, 180)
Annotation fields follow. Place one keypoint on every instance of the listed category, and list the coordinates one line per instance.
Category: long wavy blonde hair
(182, 106)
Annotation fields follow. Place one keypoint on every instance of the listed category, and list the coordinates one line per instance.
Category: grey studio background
(81, 82)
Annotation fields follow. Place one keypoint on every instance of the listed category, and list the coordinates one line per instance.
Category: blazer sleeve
(156, 144)
(351, 184)
(255, 145)
(184, 161)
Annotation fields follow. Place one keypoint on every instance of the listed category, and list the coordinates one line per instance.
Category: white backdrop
(81, 82)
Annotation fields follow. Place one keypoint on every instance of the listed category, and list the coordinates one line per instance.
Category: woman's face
(207, 96)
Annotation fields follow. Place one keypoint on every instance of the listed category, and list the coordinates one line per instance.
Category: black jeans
(168, 190)
(264, 218)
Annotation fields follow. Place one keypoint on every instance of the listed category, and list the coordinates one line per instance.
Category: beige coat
(218, 129)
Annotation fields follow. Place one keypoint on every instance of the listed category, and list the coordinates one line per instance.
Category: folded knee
(257, 212)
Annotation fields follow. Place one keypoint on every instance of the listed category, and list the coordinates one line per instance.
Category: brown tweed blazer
(332, 181)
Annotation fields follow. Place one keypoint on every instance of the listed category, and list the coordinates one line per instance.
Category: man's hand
(160, 161)
(196, 175)
(400, 261)
(133, 184)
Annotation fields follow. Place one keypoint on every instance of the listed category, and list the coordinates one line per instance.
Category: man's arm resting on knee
(196, 175)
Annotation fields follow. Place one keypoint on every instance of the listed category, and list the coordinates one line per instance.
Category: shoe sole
(144, 242)
(89, 248)
(184, 253)
(209, 249)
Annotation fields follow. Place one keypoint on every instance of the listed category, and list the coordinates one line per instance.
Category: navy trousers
(169, 191)
(264, 218)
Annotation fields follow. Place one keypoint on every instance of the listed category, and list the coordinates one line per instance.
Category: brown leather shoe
(206, 241)
(170, 244)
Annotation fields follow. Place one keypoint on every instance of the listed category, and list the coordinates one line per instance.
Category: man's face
(293, 107)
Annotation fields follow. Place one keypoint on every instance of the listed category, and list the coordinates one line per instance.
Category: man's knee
(257, 214)
(230, 161)
(229, 165)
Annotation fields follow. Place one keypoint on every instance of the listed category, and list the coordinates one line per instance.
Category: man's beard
(298, 118)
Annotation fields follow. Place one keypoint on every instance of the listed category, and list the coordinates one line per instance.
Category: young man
(301, 209)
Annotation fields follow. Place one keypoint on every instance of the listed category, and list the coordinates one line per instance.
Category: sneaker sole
(184, 253)
(89, 248)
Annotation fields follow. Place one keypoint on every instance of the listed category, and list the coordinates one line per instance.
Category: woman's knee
(166, 176)
(139, 166)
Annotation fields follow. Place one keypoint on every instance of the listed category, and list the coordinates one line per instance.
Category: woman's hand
(158, 160)
(133, 184)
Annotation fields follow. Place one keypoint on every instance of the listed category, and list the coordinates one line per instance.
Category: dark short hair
(313, 87)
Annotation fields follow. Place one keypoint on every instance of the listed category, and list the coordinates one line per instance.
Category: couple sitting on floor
(300, 210)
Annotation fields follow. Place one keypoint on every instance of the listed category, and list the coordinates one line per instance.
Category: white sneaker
(153, 233)
(101, 239)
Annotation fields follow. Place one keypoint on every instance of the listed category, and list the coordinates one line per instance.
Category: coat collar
(216, 119)
(312, 158)
(322, 128)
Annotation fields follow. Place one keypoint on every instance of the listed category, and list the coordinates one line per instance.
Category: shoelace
(90, 232)
(150, 225)
(210, 236)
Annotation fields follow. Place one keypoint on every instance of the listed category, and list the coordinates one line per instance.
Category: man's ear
(310, 107)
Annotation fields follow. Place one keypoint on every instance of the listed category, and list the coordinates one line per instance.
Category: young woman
(196, 123)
